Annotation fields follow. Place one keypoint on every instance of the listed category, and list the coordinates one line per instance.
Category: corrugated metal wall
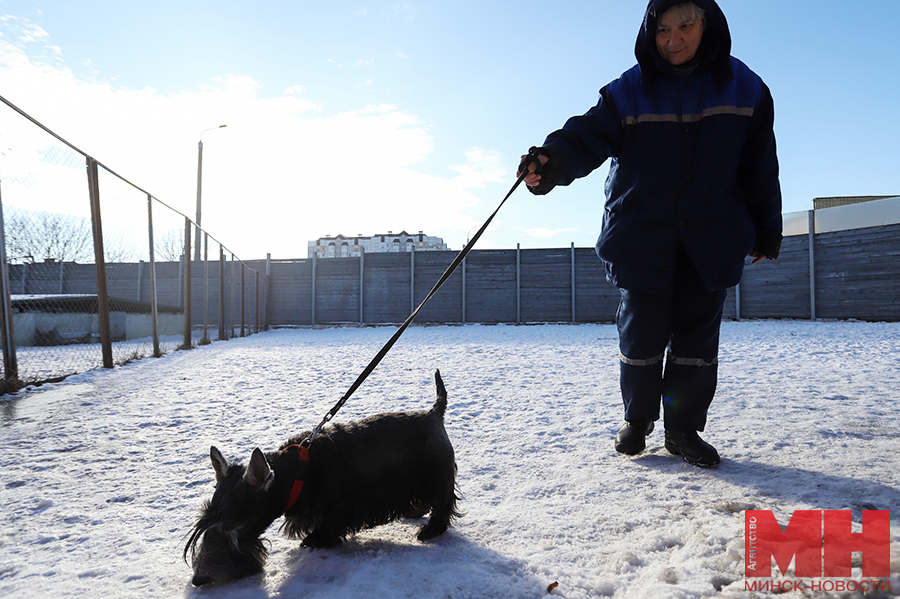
(857, 275)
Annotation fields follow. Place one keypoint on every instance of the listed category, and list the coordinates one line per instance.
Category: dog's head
(224, 544)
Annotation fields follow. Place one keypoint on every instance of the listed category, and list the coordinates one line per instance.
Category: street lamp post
(199, 185)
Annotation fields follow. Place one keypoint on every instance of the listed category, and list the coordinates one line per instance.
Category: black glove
(548, 171)
(767, 245)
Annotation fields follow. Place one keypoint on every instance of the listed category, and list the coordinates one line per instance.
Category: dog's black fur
(359, 475)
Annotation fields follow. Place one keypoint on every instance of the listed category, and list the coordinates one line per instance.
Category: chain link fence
(98, 272)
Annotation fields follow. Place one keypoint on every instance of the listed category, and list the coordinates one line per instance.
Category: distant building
(345, 247)
(820, 203)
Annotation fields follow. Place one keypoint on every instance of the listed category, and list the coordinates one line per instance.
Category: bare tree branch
(40, 236)
(170, 246)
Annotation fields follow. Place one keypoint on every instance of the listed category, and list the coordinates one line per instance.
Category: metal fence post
(10, 366)
(518, 283)
(204, 340)
(362, 285)
(573, 280)
(243, 299)
(412, 281)
(256, 300)
(266, 297)
(812, 264)
(100, 262)
(464, 291)
(233, 300)
(737, 301)
(181, 279)
(154, 314)
(222, 334)
(313, 285)
(188, 343)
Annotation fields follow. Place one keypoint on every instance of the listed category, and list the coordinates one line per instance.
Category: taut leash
(531, 157)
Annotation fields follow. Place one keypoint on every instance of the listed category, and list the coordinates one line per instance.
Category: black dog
(352, 476)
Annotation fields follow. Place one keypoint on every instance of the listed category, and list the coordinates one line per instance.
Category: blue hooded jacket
(693, 163)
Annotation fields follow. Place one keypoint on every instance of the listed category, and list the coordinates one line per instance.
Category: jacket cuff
(767, 245)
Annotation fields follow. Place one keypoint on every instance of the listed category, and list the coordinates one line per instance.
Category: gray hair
(688, 11)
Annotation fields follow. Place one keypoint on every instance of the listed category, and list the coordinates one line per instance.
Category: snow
(104, 473)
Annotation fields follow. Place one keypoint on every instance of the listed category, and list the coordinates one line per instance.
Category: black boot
(631, 439)
(692, 448)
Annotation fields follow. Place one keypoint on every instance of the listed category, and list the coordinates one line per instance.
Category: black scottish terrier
(350, 477)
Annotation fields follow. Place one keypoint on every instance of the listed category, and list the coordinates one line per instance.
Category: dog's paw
(431, 530)
(319, 540)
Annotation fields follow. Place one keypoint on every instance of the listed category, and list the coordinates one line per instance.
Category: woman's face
(678, 38)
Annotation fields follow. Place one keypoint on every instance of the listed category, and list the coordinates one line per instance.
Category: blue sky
(368, 116)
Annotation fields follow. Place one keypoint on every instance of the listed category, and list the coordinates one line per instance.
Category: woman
(692, 191)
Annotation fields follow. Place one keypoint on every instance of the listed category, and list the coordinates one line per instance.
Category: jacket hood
(716, 44)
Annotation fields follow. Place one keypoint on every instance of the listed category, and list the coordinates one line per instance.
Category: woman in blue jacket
(692, 191)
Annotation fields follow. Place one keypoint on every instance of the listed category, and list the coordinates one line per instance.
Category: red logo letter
(764, 539)
(874, 542)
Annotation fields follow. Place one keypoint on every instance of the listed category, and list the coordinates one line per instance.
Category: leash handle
(532, 153)
(533, 156)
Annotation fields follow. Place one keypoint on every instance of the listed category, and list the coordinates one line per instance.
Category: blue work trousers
(669, 350)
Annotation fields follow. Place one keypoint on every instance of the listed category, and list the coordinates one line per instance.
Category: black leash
(531, 157)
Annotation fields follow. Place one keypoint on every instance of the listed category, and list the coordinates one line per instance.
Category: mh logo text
(822, 541)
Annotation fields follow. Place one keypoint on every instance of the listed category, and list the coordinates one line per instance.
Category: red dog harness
(303, 452)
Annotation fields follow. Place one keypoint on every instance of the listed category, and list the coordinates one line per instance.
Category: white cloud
(405, 10)
(542, 233)
(284, 171)
(483, 167)
(294, 90)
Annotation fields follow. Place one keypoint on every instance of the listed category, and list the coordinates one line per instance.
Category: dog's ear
(220, 465)
(258, 474)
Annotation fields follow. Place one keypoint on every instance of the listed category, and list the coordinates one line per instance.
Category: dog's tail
(440, 404)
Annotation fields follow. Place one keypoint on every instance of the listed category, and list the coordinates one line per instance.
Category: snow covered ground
(103, 474)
